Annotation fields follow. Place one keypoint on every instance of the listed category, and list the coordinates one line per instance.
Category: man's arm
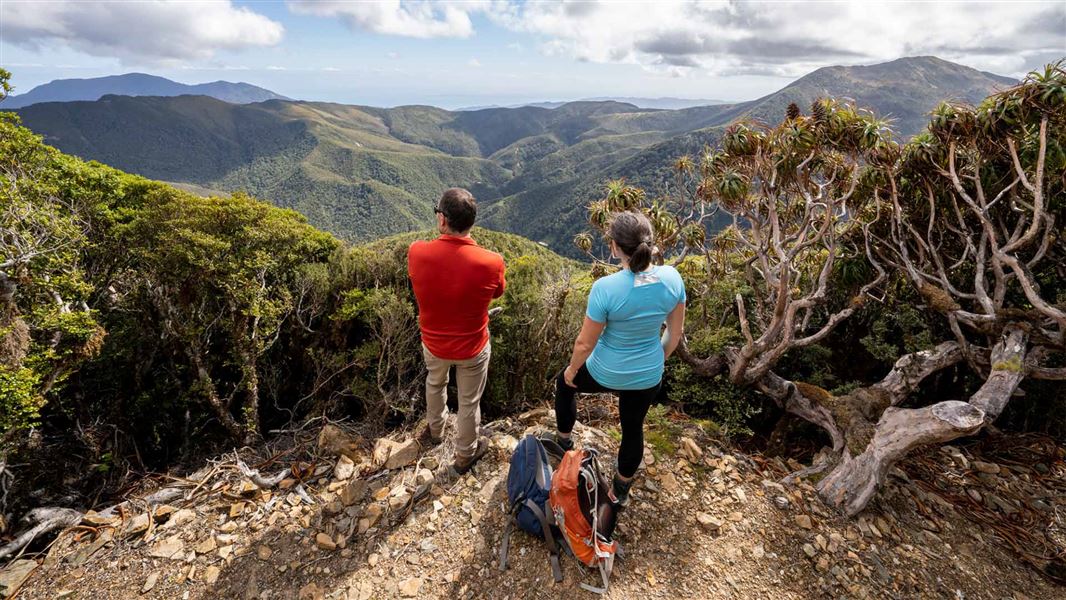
(502, 285)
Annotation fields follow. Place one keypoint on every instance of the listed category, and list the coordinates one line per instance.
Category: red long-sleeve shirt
(454, 281)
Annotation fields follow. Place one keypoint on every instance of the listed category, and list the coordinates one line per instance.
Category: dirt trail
(704, 523)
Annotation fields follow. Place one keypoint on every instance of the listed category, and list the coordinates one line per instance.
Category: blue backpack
(528, 484)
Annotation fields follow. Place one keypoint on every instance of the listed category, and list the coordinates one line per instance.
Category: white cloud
(729, 37)
(421, 19)
(473, 62)
(788, 39)
(139, 32)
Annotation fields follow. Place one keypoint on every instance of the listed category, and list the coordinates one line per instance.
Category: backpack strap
(545, 525)
(549, 539)
(507, 532)
(552, 447)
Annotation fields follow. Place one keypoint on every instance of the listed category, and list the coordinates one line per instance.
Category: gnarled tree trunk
(852, 484)
(856, 479)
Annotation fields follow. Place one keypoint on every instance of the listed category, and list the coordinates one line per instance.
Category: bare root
(856, 480)
(42, 520)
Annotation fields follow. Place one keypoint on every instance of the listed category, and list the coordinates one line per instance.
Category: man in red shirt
(454, 281)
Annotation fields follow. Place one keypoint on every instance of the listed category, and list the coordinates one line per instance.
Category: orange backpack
(585, 510)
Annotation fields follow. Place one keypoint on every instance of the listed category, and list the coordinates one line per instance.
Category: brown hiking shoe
(426, 439)
(449, 473)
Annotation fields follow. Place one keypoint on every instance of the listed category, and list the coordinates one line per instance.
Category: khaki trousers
(471, 375)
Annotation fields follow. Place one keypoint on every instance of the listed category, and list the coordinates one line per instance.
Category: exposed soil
(947, 526)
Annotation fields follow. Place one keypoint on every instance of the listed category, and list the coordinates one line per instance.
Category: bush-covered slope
(179, 321)
(336, 164)
(363, 172)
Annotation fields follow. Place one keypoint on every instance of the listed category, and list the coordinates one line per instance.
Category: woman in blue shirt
(619, 349)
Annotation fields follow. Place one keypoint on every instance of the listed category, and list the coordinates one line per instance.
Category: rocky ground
(705, 522)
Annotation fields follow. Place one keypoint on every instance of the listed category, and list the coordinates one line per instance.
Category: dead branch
(41, 521)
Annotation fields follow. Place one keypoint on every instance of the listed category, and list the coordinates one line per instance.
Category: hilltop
(903, 90)
(364, 172)
(137, 84)
(706, 521)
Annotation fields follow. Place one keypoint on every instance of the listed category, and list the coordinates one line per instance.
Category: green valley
(363, 172)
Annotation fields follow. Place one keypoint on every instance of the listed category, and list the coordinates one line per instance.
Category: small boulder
(353, 492)
(136, 525)
(325, 542)
(409, 588)
(211, 575)
(394, 455)
(984, 467)
(310, 592)
(345, 468)
(423, 477)
(180, 517)
(708, 522)
(168, 548)
(14, 575)
(804, 521)
(690, 449)
(669, 483)
(207, 546)
(335, 441)
(150, 582)
(95, 519)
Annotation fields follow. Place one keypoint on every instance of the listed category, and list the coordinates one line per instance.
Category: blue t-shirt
(629, 353)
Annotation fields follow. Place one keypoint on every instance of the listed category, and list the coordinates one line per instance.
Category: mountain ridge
(363, 172)
(137, 84)
(663, 102)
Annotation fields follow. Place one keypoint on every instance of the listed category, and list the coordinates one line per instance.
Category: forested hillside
(132, 307)
(362, 172)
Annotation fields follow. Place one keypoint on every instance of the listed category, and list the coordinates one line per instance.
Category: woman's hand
(675, 330)
(568, 376)
(583, 345)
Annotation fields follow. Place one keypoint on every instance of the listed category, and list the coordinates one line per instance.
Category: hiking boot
(426, 439)
(566, 443)
(460, 467)
(621, 490)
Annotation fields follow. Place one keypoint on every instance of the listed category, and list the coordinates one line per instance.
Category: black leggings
(632, 407)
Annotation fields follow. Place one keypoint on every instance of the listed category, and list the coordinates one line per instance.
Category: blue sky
(479, 52)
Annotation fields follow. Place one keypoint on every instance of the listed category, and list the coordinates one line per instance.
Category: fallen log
(41, 520)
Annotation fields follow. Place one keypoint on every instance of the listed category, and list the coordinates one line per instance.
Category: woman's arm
(675, 329)
(583, 345)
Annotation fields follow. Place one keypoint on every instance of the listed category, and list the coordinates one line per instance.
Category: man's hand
(568, 376)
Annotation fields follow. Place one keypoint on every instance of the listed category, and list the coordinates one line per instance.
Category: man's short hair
(459, 209)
